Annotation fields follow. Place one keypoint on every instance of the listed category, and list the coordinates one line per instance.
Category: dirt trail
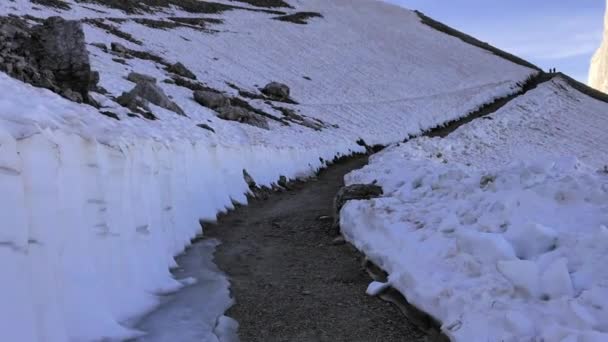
(290, 282)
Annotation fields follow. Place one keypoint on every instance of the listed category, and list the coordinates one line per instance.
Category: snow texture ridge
(500, 230)
(94, 209)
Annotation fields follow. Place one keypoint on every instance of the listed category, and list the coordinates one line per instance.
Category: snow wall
(90, 230)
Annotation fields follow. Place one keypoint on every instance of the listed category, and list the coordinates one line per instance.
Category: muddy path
(289, 281)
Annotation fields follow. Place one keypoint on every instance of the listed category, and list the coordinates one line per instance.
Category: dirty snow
(500, 230)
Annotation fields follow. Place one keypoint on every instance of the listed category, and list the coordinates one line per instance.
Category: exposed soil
(290, 282)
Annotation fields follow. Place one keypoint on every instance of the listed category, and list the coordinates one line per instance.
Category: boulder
(145, 92)
(52, 55)
(211, 99)
(181, 70)
(137, 78)
(353, 192)
(276, 90)
(60, 47)
(240, 114)
(119, 48)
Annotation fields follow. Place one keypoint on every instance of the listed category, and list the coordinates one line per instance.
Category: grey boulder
(277, 90)
(211, 99)
(181, 70)
(147, 92)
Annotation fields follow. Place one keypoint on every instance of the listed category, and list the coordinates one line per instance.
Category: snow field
(500, 230)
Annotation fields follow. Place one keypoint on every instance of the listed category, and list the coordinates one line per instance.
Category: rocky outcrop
(226, 110)
(353, 192)
(598, 73)
(52, 55)
(181, 70)
(240, 114)
(146, 92)
(136, 78)
(276, 90)
(211, 99)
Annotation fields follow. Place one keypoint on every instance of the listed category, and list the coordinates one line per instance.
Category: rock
(119, 48)
(284, 182)
(240, 114)
(145, 92)
(211, 99)
(233, 113)
(353, 192)
(277, 90)
(101, 46)
(137, 78)
(249, 180)
(338, 241)
(72, 95)
(181, 70)
(60, 47)
(207, 127)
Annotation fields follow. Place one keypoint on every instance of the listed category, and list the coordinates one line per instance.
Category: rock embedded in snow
(137, 78)
(277, 91)
(62, 49)
(211, 99)
(52, 55)
(145, 92)
(240, 114)
(181, 70)
(118, 48)
(598, 72)
(353, 192)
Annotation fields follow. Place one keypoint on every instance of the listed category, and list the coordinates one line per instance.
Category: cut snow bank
(494, 230)
(598, 71)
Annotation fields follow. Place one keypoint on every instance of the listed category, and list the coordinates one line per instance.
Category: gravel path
(289, 282)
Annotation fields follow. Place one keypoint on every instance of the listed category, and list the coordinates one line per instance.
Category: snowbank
(494, 230)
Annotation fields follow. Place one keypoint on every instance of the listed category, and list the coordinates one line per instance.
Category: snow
(499, 230)
(94, 210)
(598, 72)
(196, 312)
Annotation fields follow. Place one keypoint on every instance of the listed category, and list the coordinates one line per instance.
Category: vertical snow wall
(90, 231)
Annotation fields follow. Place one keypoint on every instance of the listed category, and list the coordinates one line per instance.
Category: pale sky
(549, 33)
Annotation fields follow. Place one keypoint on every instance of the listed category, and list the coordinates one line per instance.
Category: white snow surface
(500, 230)
(94, 209)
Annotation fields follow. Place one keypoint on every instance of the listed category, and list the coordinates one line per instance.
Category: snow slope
(500, 230)
(95, 209)
(598, 73)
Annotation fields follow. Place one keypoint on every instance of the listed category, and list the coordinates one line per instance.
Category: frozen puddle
(196, 312)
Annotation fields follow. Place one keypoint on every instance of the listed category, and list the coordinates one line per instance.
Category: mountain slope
(97, 201)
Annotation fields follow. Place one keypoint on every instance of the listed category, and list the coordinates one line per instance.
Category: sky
(549, 33)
